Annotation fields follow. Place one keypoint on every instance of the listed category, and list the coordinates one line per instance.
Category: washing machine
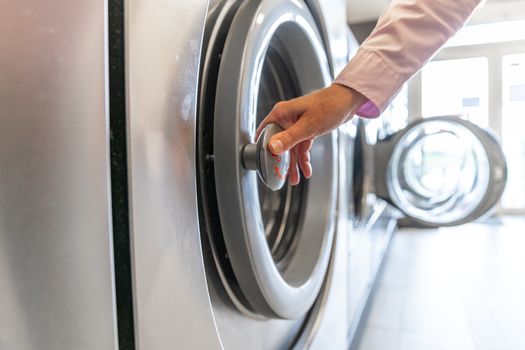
(219, 260)
(128, 215)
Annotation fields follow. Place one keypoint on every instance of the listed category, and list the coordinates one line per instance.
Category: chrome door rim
(490, 186)
(273, 293)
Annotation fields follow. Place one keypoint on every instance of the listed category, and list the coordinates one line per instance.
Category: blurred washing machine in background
(441, 171)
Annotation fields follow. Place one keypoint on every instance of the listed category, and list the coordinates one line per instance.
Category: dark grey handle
(272, 169)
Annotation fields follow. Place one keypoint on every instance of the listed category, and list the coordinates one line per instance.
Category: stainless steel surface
(441, 171)
(239, 327)
(172, 305)
(275, 292)
(331, 326)
(56, 266)
(380, 229)
(272, 169)
(365, 220)
(171, 294)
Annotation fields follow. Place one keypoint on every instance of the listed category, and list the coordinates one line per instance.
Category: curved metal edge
(218, 21)
(171, 298)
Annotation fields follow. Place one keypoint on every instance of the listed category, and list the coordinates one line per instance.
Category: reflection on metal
(172, 303)
(368, 234)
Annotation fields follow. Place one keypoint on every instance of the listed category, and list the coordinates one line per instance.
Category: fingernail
(277, 146)
(310, 172)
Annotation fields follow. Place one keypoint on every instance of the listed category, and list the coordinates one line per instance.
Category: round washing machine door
(441, 171)
(272, 248)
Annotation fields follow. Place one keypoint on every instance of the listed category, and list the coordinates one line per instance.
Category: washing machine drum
(271, 248)
(441, 171)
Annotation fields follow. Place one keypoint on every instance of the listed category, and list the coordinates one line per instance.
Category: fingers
(299, 130)
(284, 113)
(300, 158)
(276, 114)
(303, 157)
(293, 171)
(302, 130)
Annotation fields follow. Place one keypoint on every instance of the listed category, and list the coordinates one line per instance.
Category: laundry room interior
(262, 175)
(460, 287)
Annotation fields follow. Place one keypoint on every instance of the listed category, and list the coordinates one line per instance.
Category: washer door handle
(272, 169)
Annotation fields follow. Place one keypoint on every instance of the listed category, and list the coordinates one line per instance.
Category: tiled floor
(459, 288)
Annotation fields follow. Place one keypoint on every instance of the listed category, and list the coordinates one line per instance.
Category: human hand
(304, 119)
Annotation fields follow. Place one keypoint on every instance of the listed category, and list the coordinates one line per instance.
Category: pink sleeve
(407, 35)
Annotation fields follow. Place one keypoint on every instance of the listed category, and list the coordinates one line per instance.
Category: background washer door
(277, 245)
(441, 171)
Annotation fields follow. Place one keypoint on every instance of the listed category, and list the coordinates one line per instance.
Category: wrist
(350, 98)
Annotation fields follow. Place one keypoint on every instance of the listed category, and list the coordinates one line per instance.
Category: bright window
(513, 129)
(455, 87)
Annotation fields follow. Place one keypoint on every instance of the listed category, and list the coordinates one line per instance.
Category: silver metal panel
(56, 267)
(368, 228)
(172, 305)
(332, 325)
(239, 332)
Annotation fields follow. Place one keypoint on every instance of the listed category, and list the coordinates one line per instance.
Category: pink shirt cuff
(406, 36)
(372, 77)
(368, 110)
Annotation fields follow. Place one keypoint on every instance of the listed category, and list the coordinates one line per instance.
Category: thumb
(286, 139)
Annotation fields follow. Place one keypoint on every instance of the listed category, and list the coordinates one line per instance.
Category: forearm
(405, 38)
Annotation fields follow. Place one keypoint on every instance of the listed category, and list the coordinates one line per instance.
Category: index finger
(284, 114)
(272, 117)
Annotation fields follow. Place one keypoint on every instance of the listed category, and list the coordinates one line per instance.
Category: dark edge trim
(119, 174)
